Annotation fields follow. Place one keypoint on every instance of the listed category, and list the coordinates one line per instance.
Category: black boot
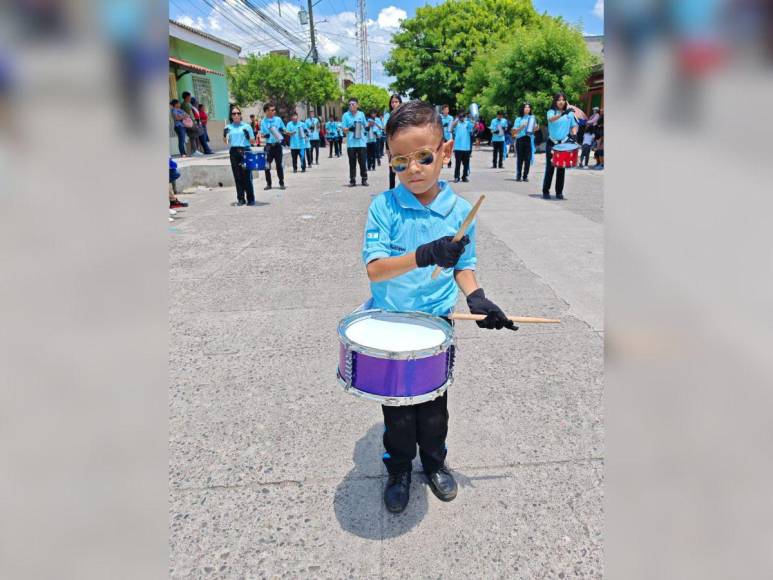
(397, 491)
(442, 484)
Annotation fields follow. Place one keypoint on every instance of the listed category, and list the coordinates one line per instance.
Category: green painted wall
(212, 60)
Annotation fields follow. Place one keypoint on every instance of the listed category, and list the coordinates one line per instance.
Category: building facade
(197, 64)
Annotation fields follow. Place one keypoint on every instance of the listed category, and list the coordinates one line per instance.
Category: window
(202, 90)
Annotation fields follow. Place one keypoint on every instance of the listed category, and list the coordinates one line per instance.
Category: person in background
(331, 131)
(462, 129)
(447, 119)
(599, 155)
(239, 136)
(353, 123)
(174, 175)
(204, 119)
(381, 122)
(177, 116)
(313, 126)
(372, 136)
(297, 142)
(587, 144)
(562, 128)
(394, 101)
(524, 127)
(193, 131)
(273, 129)
(255, 129)
(498, 129)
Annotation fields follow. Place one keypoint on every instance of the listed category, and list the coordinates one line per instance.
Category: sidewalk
(275, 472)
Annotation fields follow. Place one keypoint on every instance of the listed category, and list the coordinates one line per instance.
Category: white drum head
(395, 332)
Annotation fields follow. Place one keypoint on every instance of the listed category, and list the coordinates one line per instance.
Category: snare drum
(395, 358)
(565, 155)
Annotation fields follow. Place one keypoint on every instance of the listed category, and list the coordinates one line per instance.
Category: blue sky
(335, 24)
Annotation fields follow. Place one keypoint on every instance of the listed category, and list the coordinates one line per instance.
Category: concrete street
(275, 472)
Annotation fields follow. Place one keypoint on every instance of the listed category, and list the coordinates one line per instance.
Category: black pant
(372, 154)
(357, 155)
(426, 425)
(333, 146)
(499, 148)
(462, 157)
(274, 153)
(549, 169)
(314, 147)
(585, 155)
(242, 175)
(381, 143)
(339, 143)
(523, 156)
(295, 153)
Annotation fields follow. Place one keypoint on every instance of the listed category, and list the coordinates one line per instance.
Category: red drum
(565, 155)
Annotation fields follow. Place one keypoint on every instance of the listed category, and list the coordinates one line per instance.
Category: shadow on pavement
(359, 516)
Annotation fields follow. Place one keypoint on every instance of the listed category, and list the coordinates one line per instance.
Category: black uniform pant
(425, 425)
(295, 153)
(357, 156)
(242, 175)
(522, 157)
(314, 146)
(339, 144)
(274, 153)
(499, 148)
(549, 169)
(333, 146)
(372, 154)
(462, 157)
(585, 156)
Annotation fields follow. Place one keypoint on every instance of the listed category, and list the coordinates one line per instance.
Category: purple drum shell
(396, 378)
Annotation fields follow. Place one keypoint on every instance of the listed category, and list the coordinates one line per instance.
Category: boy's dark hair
(501, 113)
(444, 107)
(522, 110)
(267, 106)
(186, 94)
(174, 102)
(414, 114)
(353, 99)
(293, 113)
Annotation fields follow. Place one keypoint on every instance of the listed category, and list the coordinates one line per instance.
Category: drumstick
(463, 229)
(522, 319)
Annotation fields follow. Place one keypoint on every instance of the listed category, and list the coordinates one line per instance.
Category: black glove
(225, 133)
(443, 252)
(495, 318)
(246, 134)
(571, 138)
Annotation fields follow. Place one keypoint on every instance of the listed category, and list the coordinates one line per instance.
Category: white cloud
(598, 9)
(214, 23)
(390, 17)
(188, 21)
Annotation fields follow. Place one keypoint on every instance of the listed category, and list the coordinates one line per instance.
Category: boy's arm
(466, 281)
(382, 269)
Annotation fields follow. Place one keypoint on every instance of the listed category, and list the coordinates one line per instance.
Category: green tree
(434, 48)
(341, 61)
(285, 81)
(370, 97)
(531, 66)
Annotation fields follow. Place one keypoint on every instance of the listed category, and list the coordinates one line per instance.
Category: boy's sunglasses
(424, 156)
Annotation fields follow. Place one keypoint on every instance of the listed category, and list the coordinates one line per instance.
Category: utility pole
(362, 37)
(314, 55)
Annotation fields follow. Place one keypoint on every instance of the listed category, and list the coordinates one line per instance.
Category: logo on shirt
(371, 236)
(396, 248)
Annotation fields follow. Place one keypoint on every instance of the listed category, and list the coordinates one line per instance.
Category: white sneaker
(172, 211)
(171, 219)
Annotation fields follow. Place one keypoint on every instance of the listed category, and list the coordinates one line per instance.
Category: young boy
(373, 133)
(409, 231)
(498, 129)
(297, 142)
(461, 129)
(273, 129)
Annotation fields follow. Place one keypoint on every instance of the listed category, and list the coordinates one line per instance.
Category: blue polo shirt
(372, 131)
(398, 224)
(559, 130)
(495, 125)
(295, 140)
(447, 120)
(312, 124)
(265, 128)
(236, 136)
(348, 121)
(462, 136)
(331, 127)
(517, 123)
